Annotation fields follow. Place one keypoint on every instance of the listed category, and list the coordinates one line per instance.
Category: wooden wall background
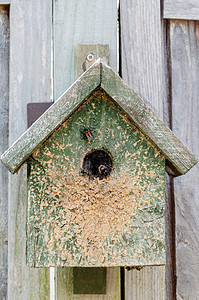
(4, 101)
(159, 59)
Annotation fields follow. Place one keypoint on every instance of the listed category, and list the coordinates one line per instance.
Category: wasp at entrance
(97, 163)
(87, 134)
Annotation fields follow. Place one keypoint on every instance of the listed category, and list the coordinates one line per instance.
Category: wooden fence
(154, 45)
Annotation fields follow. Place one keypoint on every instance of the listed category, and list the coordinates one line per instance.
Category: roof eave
(179, 156)
(41, 129)
(99, 74)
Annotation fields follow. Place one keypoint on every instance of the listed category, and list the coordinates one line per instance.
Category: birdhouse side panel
(80, 216)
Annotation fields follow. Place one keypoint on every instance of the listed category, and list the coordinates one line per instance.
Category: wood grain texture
(143, 68)
(184, 41)
(142, 50)
(4, 102)
(143, 288)
(77, 22)
(181, 9)
(30, 51)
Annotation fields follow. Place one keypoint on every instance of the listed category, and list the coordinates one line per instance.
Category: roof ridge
(100, 74)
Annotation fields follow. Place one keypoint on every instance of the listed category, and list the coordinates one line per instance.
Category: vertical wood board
(184, 40)
(143, 68)
(142, 51)
(4, 103)
(81, 22)
(143, 288)
(30, 52)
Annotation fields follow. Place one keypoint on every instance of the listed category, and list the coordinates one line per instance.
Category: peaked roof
(179, 158)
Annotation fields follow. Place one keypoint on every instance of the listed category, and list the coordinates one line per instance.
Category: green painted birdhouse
(96, 171)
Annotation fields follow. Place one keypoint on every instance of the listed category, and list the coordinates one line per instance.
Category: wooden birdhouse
(96, 176)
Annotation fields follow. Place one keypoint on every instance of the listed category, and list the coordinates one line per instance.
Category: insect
(88, 134)
(96, 164)
(134, 268)
(84, 171)
(103, 170)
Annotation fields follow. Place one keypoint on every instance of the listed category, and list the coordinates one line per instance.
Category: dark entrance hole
(97, 163)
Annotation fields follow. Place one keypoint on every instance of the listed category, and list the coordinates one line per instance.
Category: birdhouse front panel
(96, 192)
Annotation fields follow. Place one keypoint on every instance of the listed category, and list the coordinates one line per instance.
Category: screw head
(90, 57)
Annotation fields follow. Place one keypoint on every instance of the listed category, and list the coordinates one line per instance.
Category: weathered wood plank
(143, 288)
(4, 102)
(142, 67)
(142, 54)
(184, 40)
(181, 9)
(30, 51)
(80, 22)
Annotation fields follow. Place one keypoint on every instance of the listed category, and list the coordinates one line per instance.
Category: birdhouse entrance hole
(97, 163)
